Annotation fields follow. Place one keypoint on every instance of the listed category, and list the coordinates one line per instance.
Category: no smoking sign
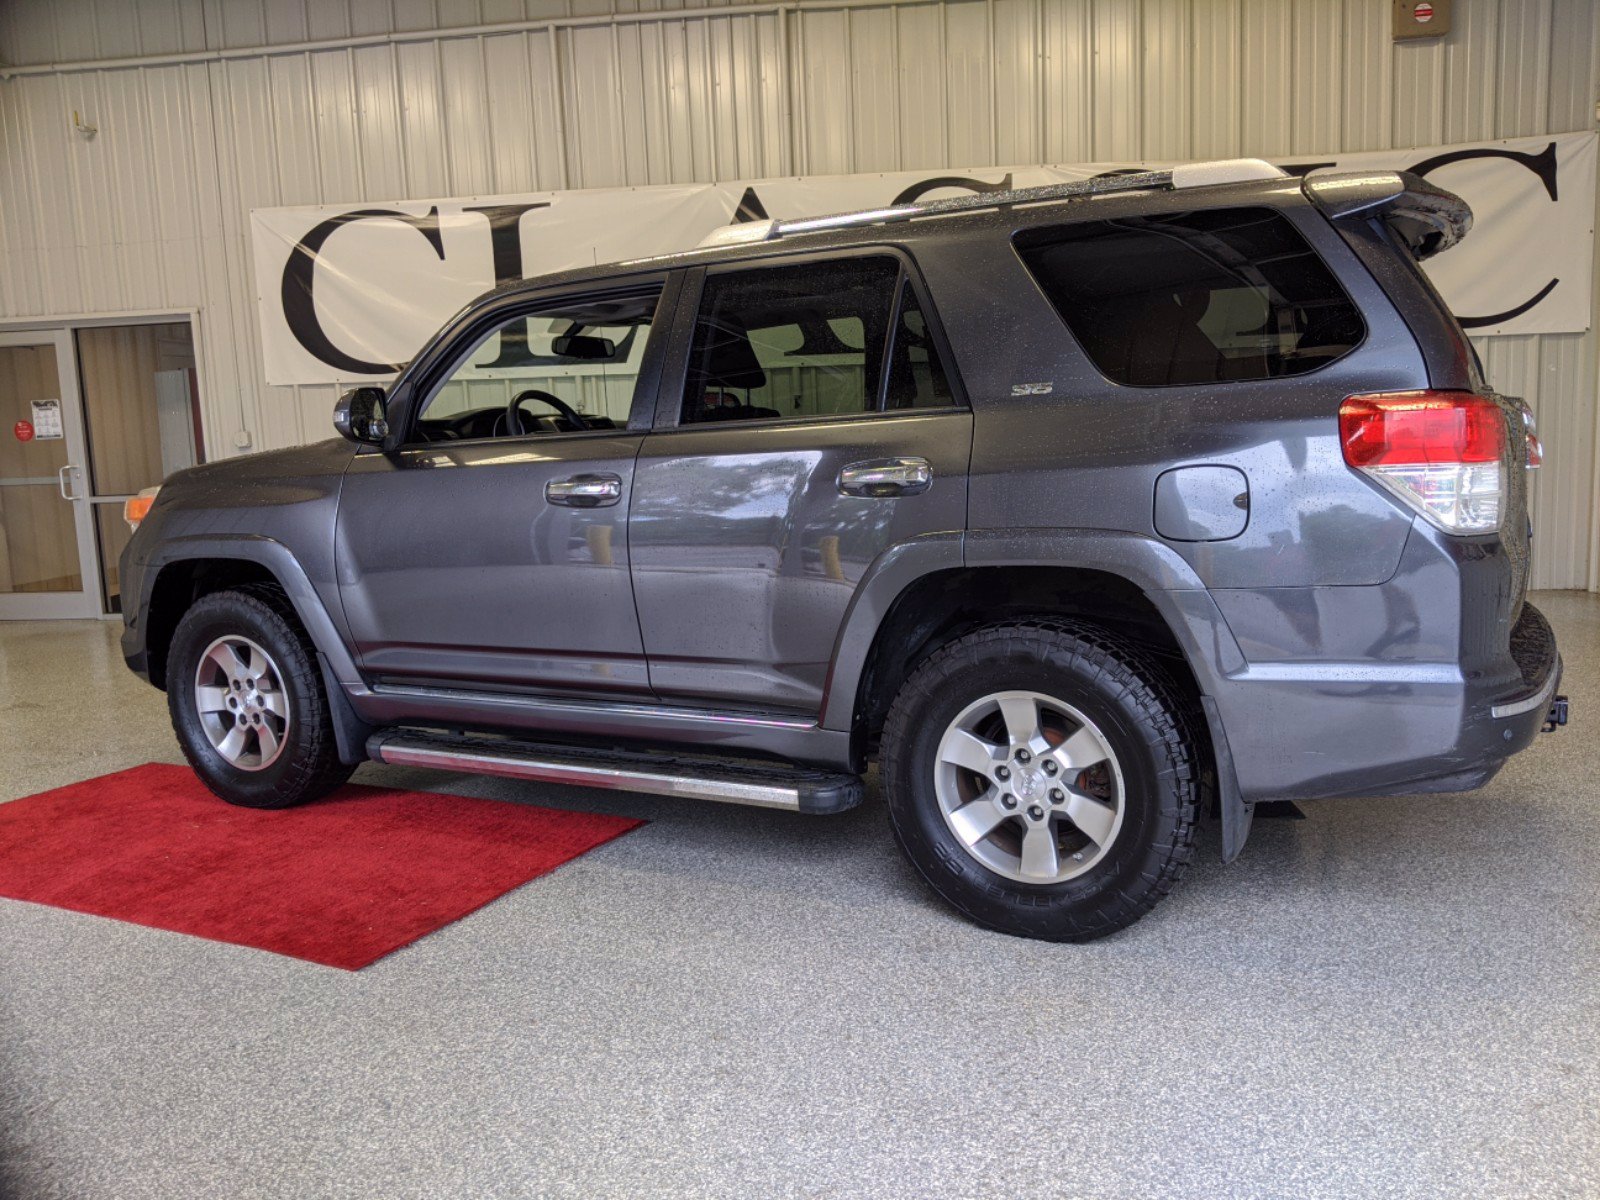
(23, 430)
(1421, 18)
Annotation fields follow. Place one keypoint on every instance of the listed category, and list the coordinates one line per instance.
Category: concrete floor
(1392, 998)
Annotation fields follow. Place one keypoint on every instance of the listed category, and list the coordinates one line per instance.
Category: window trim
(893, 414)
(417, 386)
(1040, 235)
(675, 373)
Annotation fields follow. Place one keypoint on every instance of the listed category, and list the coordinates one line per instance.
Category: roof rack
(1207, 174)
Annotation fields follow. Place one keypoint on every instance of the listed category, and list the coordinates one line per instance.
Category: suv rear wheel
(247, 703)
(1042, 778)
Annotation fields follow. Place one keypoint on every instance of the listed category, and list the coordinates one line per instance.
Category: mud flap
(350, 732)
(1236, 814)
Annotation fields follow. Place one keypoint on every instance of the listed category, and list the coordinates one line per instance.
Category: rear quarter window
(1194, 298)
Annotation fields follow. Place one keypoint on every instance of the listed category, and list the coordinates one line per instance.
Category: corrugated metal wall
(153, 212)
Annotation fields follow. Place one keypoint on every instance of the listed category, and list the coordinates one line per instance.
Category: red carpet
(343, 881)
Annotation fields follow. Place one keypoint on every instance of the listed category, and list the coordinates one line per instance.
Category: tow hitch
(1556, 717)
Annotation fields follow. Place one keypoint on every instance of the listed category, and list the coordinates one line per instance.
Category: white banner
(351, 292)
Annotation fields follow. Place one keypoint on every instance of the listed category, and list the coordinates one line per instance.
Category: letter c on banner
(299, 274)
(922, 187)
(1542, 165)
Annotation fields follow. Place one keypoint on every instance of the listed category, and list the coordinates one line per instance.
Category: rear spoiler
(1427, 218)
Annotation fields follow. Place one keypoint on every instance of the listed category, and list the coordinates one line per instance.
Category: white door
(47, 563)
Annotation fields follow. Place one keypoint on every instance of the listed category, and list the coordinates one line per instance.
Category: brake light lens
(1439, 452)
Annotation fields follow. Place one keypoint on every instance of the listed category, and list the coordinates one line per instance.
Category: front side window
(569, 369)
(810, 340)
(1194, 298)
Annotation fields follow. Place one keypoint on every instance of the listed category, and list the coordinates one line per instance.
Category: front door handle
(585, 491)
(886, 477)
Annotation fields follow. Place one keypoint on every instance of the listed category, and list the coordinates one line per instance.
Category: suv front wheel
(246, 698)
(1042, 778)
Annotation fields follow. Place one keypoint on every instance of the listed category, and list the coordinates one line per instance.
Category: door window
(38, 536)
(46, 541)
(808, 340)
(571, 369)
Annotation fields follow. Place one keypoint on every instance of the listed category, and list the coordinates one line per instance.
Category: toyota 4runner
(1086, 511)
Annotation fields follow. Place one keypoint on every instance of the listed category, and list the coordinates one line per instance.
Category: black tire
(1139, 713)
(308, 766)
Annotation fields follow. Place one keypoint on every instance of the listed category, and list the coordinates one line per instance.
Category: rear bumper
(1385, 740)
(1511, 725)
(1500, 721)
(1310, 728)
(1533, 649)
(1304, 738)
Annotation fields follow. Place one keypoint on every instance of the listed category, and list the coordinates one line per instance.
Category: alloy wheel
(242, 704)
(1030, 787)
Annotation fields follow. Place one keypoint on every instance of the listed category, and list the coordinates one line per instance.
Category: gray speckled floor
(1389, 999)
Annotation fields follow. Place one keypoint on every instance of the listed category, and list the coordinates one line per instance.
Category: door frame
(85, 602)
(409, 398)
(66, 326)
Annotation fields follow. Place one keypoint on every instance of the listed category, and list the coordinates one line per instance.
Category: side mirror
(359, 416)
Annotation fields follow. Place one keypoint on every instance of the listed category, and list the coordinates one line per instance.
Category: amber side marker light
(136, 508)
(1535, 446)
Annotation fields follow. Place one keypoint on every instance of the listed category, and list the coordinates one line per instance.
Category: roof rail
(1209, 174)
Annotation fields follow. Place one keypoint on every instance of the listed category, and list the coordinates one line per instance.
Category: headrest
(730, 360)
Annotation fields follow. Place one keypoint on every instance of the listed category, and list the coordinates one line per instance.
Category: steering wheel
(514, 416)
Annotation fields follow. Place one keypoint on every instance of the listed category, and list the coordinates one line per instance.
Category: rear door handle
(62, 476)
(584, 491)
(886, 477)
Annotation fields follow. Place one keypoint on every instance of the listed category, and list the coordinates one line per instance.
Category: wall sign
(352, 292)
(47, 425)
(22, 431)
(1421, 19)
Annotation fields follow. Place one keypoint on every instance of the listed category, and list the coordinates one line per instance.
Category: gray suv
(1087, 512)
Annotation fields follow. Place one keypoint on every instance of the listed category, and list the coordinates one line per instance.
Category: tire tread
(314, 769)
(1127, 671)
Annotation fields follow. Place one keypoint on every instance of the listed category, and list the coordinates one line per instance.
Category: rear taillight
(1440, 452)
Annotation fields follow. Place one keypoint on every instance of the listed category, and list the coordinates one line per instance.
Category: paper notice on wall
(47, 420)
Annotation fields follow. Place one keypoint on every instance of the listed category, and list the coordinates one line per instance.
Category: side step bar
(799, 789)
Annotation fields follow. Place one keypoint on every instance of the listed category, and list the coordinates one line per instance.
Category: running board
(798, 789)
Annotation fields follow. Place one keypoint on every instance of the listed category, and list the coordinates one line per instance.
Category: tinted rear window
(1193, 298)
